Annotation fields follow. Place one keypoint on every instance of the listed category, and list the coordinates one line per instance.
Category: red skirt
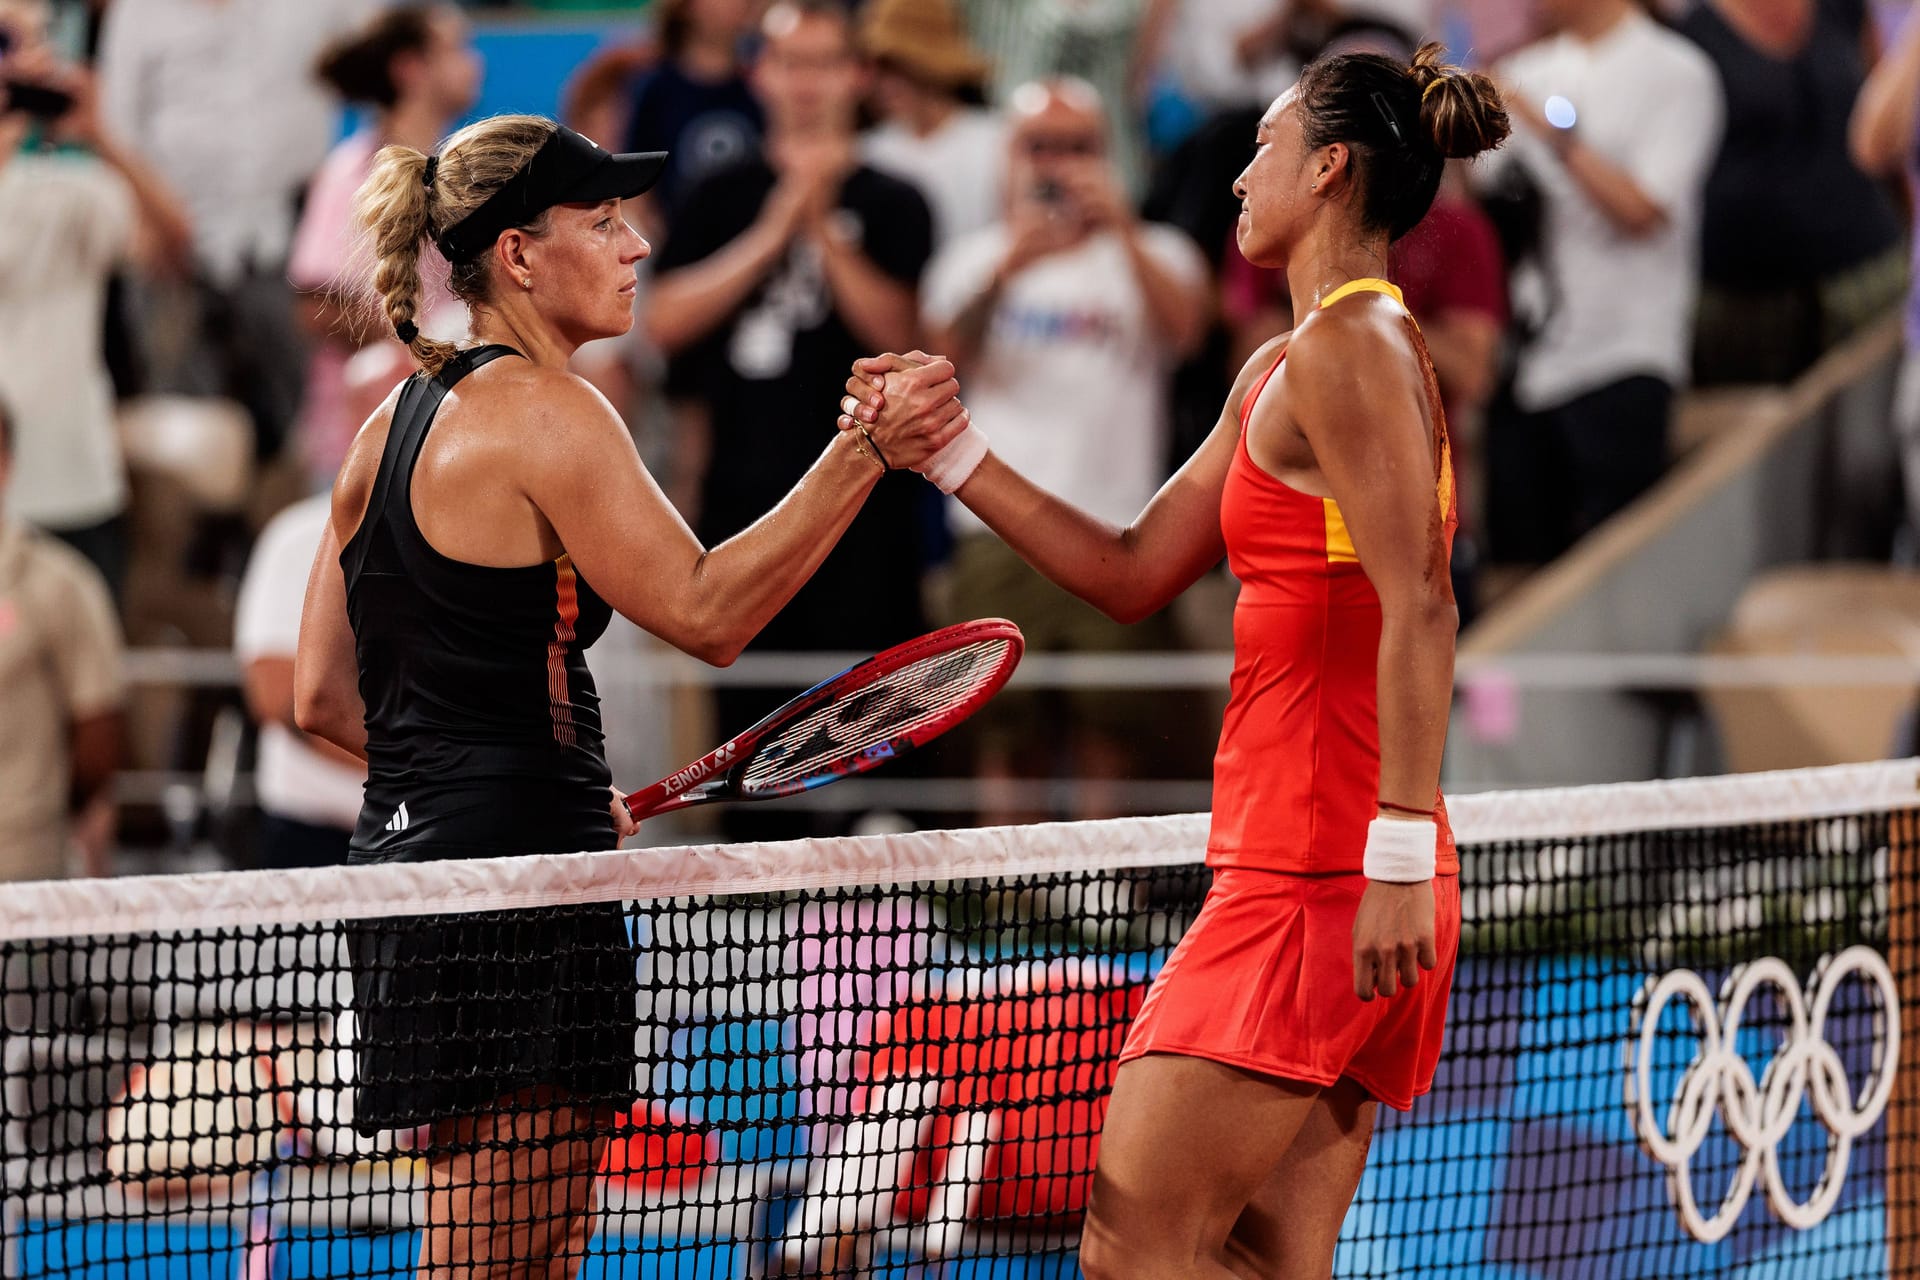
(1263, 981)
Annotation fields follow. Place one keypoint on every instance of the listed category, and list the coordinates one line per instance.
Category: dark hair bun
(1460, 110)
(359, 65)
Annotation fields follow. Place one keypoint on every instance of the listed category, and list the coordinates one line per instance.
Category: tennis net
(1673, 1050)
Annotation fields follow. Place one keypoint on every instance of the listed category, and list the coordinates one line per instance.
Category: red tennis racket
(860, 719)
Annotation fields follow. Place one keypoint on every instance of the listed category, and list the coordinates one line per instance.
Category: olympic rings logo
(1758, 1114)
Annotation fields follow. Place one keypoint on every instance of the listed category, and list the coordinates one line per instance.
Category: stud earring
(526, 282)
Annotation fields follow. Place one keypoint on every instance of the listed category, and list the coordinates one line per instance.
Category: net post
(1903, 1115)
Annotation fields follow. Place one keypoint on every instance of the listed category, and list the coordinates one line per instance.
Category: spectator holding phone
(75, 203)
(1066, 322)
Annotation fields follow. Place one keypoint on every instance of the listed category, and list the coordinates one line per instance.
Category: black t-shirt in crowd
(702, 125)
(772, 377)
(1785, 204)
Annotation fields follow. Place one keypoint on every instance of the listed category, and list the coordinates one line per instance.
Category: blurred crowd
(1704, 193)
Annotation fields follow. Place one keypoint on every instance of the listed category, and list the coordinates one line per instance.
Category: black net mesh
(908, 1079)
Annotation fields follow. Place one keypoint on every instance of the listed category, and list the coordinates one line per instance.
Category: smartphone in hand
(42, 102)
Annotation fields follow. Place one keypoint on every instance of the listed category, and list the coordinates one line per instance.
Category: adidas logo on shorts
(399, 821)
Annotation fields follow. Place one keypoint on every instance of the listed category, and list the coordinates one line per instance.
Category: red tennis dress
(1264, 978)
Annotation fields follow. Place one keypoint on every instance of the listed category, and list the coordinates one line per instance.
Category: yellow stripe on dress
(1366, 284)
(1339, 541)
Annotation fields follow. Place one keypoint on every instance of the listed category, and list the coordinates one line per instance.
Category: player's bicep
(1180, 527)
(1364, 421)
(609, 512)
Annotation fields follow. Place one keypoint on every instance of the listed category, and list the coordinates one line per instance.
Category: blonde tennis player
(489, 519)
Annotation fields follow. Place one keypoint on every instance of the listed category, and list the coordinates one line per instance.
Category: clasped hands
(909, 406)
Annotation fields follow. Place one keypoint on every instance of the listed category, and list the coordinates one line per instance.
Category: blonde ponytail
(394, 208)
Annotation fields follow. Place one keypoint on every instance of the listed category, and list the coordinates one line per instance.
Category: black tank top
(483, 728)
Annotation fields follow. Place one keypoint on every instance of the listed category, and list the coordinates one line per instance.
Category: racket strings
(897, 703)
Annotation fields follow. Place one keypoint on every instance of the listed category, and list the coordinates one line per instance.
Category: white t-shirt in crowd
(291, 779)
(960, 168)
(220, 96)
(1202, 57)
(1071, 383)
(1649, 101)
(68, 221)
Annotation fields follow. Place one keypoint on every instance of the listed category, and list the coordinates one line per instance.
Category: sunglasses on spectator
(1042, 146)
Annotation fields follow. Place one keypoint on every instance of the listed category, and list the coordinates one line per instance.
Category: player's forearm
(1414, 698)
(332, 712)
(343, 732)
(269, 687)
(1081, 553)
(738, 586)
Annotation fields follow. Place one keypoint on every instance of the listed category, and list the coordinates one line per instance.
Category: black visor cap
(567, 169)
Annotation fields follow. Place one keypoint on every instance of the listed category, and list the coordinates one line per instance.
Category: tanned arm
(1351, 391)
(326, 670)
(1127, 573)
(269, 685)
(1354, 392)
(586, 478)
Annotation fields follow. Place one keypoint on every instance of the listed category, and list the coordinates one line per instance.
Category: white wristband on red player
(957, 460)
(1400, 851)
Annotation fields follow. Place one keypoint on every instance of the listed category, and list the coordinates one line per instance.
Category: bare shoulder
(1351, 355)
(353, 488)
(1258, 365)
(549, 431)
(562, 408)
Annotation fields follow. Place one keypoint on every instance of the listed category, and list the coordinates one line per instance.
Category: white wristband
(957, 460)
(1400, 851)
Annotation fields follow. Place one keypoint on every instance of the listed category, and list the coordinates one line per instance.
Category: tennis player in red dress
(1313, 985)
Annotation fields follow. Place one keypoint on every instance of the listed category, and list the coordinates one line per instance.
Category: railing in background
(1662, 577)
(1188, 670)
(1499, 696)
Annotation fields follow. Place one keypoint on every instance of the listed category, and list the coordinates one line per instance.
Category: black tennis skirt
(454, 1012)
